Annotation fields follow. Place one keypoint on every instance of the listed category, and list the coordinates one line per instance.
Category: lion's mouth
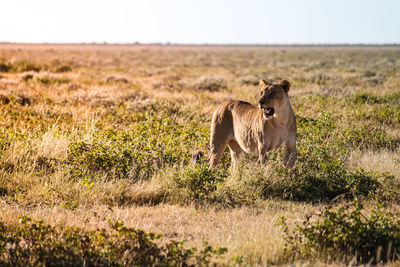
(268, 112)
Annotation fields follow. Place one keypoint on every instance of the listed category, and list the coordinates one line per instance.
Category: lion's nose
(261, 102)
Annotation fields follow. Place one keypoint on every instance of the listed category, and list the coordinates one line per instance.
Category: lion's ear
(285, 84)
(263, 83)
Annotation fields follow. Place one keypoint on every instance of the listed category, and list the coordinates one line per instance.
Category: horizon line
(197, 44)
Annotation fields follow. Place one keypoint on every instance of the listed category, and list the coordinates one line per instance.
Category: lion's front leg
(262, 155)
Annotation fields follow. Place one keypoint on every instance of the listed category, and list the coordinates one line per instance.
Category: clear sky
(201, 21)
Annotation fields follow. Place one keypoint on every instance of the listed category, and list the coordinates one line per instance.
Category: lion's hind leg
(236, 151)
(221, 134)
(216, 152)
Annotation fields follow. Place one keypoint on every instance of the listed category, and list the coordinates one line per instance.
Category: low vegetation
(348, 232)
(35, 243)
(97, 132)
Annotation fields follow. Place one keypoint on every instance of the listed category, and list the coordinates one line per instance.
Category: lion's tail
(196, 156)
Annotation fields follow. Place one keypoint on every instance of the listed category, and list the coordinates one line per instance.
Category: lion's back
(233, 119)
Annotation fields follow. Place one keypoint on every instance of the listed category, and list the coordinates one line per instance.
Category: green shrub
(382, 114)
(98, 157)
(371, 138)
(199, 183)
(6, 139)
(318, 179)
(325, 132)
(347, 232)
(316, 186)
(64, 68)
(27, 77)
(51, 80)
(366, 98)
(154, 143)
(23, 66)
(382, 109)
(369, 74)
(20, 66)
(311, 131)
(45, 165)
(38, 244)
(5, 67)
(320, 172)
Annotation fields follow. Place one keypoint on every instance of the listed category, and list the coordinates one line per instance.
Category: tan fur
(245, 129)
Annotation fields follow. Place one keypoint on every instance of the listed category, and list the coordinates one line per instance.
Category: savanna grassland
(96, 143)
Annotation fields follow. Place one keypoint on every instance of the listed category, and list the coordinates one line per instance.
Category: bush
(27, 77)
(154, 143)
(320, 172)
(23, 66)
(64, 68)
(317, 176)
(23, 100)
(209, 84)
(320, 181)
(47, 80)
(5, 67)
(20, 66)
(371, 138)
(366, 98)
(116, 79)
(6, 139)
(369, 73)
(199, 183)
(4, 99)
(346, 231)
(38, 244)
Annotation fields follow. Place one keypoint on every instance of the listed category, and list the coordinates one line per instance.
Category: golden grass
(74, 105)
(252, 230)
(376, 161)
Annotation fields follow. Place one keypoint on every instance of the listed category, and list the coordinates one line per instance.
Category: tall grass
(74, 141)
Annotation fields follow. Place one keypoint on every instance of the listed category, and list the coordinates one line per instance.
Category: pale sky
(201, 21)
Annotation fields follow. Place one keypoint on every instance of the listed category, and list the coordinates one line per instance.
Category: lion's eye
(261, 93)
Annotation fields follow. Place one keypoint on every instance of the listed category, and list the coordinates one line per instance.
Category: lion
(245, 128)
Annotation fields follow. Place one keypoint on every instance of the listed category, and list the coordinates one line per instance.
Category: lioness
(248, 129)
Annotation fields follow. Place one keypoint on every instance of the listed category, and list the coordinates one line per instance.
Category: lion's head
(273, 96)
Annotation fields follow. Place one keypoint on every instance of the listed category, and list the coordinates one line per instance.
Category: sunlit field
(96, 144)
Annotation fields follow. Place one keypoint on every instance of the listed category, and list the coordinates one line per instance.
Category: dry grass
(382, 161)
(243, 229)
(80, 92)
